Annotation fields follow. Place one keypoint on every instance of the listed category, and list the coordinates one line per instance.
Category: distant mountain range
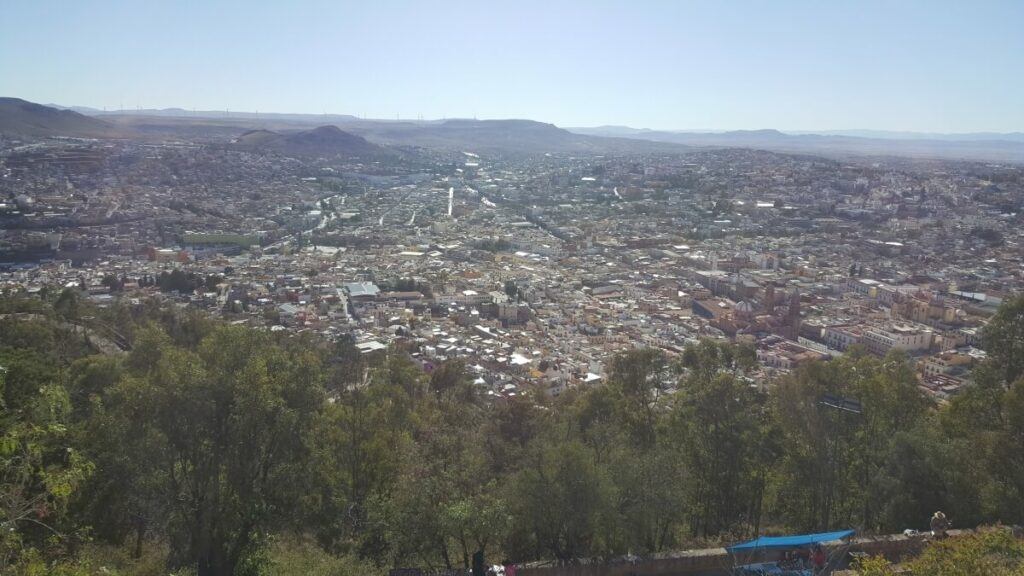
(21, 117)
(345, 134)
(627, 131)
(895, 135)
(982, 147)
(323, 119)
(319, 134)
(510, 136)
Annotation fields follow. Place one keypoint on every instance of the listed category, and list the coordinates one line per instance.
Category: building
(907, 338)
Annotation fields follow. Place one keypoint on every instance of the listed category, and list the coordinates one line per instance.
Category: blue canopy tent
(798, 566)
(789, 542)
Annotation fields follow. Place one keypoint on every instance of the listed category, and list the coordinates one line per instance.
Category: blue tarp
(772, 570)
(797, 541)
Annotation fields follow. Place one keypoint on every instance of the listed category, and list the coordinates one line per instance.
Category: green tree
(360, 441)
(1003, 339)
(68, 304)
(719, 424)
(637, 378)
(227, 431)
(839, 468)
(40, 470)
(625, 423)
(559, 502)
(986, 421)
(874, 566)
(988, 553)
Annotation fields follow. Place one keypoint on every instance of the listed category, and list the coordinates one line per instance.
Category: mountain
(259, 137)
(319, 135)
(491, 135)
(20, 117)
(80, 109)
(499, 136)
(220, 115)
(610, 130)
(985, 150)
(328, 139)
(320, 141)
(898, 135)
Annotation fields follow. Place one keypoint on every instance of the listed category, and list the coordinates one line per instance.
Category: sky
(930, 66)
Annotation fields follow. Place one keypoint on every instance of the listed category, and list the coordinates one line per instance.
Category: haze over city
(927, 66)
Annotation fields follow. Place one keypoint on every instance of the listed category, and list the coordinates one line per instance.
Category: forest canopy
(207, 448)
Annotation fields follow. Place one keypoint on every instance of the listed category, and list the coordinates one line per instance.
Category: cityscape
(453, 288)
(533, 269)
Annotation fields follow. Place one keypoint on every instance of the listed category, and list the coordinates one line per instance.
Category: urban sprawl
(533, 269)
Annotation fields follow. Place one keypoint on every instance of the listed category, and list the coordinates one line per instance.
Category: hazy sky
(719, 64)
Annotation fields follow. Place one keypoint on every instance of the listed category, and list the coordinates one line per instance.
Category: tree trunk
(140, 532)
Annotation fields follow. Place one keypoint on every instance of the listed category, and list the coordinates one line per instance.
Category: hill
(320, 141)
(213, 114)
(258, 137)
(500, 136)
(1001, 148)
(21, 117)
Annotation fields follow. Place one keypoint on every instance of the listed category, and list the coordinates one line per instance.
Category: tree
(559, 502)
(835, 466)
(39, 468)
(1003, 339)
(227, 432)
(636, 378)
(445, 503)
(650, 496)
(358, 456)
(721, 433)
(511, 290)
(986, 421)
(67, 304)
(450, 377)
(987, 553)
(1004, 448)
(874, 566)
(624, 423)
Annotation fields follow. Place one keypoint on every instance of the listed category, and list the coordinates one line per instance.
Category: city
(533, 270)
(455, 288)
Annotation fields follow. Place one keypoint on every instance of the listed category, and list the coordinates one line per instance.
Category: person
(818, 558)
(510, 568)
(790, 560)
(939, 525)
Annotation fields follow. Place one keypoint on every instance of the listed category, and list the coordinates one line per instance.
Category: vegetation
(992, 552)
(211, 449)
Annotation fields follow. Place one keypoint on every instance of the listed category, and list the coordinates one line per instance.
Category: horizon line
(420, 118)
